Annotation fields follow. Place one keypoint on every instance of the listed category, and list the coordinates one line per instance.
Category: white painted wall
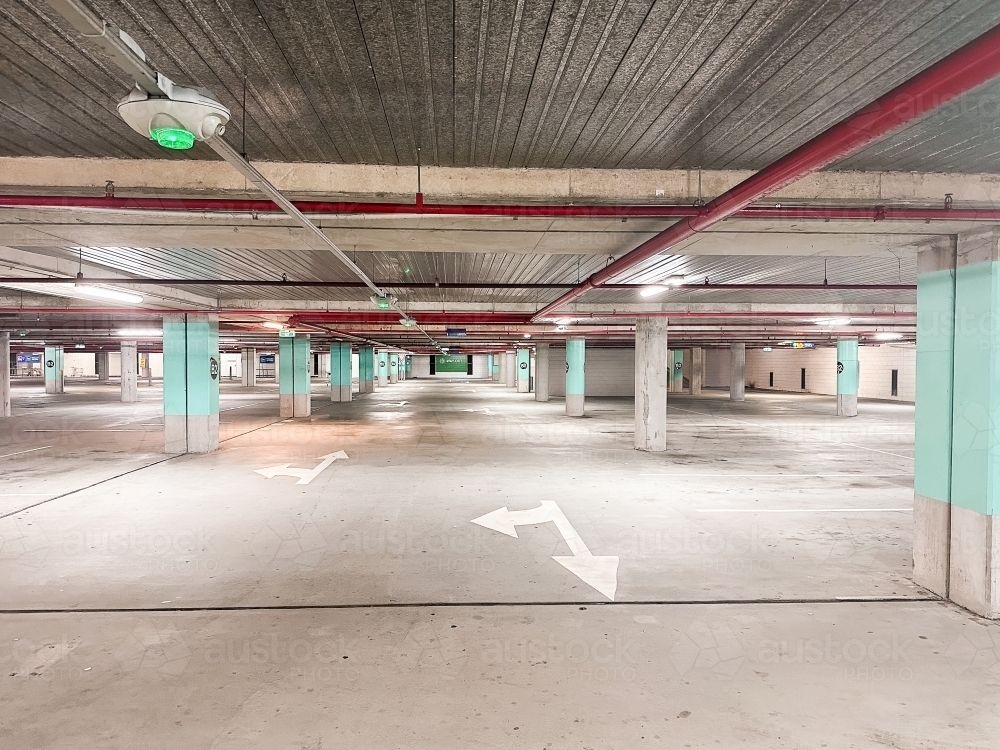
(874, 362)
(716, 368)
(79, 364)
(609, 372)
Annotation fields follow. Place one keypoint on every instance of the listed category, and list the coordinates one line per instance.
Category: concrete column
(4, 374)
(366, 369)
(652, 371)
(697, 370)
(294, 384)
(489, 365)
(956, 496)
(393, 367)
(847, 377)
(102, 366)
(677, 372)
(576, 355)
(933, 419)
(191, 365)
(55, 380)
(510, 369)
(542, 372)
(495, 367)
(248, 366)
(523, 370)
(340, 371)
(130, 372)
(383, 368)
(737, 374)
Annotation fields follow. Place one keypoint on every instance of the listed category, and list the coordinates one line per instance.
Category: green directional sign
(451, 363)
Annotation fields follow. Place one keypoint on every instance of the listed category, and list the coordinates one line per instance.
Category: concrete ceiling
(718, 84)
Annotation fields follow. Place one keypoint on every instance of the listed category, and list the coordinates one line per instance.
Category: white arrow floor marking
(485, 411)
(392, 403)
(305, 475)
(597, 571)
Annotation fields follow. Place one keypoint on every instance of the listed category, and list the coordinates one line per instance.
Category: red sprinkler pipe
(959, 72)
(345, 208)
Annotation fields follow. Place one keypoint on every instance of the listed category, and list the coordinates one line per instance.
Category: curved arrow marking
(598, 571)
(305, 475)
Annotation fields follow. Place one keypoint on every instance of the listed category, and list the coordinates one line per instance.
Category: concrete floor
(193, 602)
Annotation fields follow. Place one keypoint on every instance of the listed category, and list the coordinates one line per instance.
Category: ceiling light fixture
(273, 324)
(139, 333)
(652, 291)
(888, 336)
(833, 322)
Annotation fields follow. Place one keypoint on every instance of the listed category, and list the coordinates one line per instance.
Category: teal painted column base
(366, 370)
(523, 370)
(294, 383)
(677, 371)
(55, 380)
(383, 369)
(191, 365)
(576, 354)
(847, 378)
(340, 372)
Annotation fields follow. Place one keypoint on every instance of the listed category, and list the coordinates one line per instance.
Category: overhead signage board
(451, 363)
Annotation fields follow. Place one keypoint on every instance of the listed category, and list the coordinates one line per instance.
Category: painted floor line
(461, 605)
(803, 510)
(790, 476)
(149, 431)
(29, 450)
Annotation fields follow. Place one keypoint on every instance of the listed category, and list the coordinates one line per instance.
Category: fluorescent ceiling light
(888, 336)
(106, 293)
(675, 280)
(140, 333)
(833, 322)
(652, 291)
(273, 324)
(527, 335)
(565, 321)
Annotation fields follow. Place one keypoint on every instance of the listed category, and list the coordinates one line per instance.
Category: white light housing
(833, 322)
(274, 325)
(565, 321)
(139, 333)
(105, 293)
(527, 335)
(888, 336)
(652, 291)
(194, 110)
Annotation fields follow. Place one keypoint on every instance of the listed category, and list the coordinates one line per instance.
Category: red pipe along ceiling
(959, 72)
(344, 208)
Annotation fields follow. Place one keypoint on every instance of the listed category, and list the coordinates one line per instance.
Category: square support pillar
(4, 374)
(191, 365)
(933, 418)
(55, 379)
(366, 369)
(652, 371)
(542, 372)
(510, 369)
(576, 356)
(130, 373)
(294, 383)
(383, 368)
(847, 377)
(495, 367)
(102, 366)
(523, 370)
(697, 370)
(737, 372)
(393, 367)
(677, 372)
(340, 372)
(248, 367)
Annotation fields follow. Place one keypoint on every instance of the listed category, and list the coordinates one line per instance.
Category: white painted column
(130, 372)
(737, 372)
(510, 369)
(697, 370)
(248, 366)
(542, 372)
(4, 374)
(652, 375)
